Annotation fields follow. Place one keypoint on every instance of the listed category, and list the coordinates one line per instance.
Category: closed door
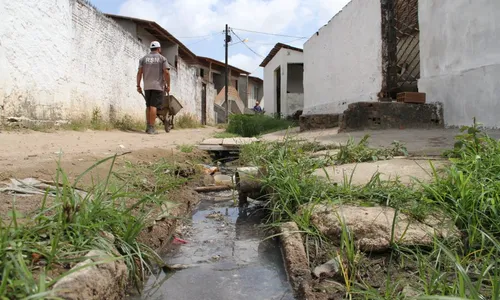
(204, 104)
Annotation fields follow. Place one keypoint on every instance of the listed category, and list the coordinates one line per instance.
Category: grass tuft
(255, 125)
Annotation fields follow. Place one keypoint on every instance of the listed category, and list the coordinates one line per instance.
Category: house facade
(374, 49)
(214, 71)
(284, 80)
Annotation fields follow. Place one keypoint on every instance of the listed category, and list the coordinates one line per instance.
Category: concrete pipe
(248, 179)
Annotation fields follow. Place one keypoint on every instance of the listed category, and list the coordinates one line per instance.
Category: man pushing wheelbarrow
(153, 68)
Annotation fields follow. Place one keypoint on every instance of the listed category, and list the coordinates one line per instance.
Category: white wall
(343, 61)
(63, 59)
(281, 59)
(66, 63)
(460, 59)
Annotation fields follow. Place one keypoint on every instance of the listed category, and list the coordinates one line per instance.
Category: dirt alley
(35, 154)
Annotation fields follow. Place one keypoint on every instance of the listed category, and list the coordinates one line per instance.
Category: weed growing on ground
(186, 148)
(186, 121)
(353, 152)
(225, 135)
(58, 234)
(467, 192)
(255, 125)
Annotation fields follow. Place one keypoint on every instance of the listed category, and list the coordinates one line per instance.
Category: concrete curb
(295, 258)
(103, 276)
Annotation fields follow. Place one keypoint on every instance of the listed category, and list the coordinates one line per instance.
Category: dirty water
(228, 258)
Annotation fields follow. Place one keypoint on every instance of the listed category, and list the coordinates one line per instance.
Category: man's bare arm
(166, 75)
(139, 78)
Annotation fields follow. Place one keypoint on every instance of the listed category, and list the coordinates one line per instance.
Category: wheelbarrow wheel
(166, 123)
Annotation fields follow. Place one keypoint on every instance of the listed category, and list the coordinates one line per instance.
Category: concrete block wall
(343, 60)
(460, 59)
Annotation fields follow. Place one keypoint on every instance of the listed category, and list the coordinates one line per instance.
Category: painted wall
(66, 63)
(73, 60)
(280, 60)
(343, 60)
(460, 59)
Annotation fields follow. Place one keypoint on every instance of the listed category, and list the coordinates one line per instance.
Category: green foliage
(353, 152)
(61, 231)
(254, 125)
(186, 121)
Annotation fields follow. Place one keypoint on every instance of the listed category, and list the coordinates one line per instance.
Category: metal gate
(403, 47)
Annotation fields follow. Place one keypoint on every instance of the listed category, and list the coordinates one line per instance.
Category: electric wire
(268, 33)
(247, 45)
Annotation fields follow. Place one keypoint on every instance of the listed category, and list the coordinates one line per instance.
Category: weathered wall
(69, 61)
(73, 60)
(460, 59)
(343, 60)
(281, 59)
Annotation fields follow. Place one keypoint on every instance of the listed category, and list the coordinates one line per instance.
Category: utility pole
(226, 103)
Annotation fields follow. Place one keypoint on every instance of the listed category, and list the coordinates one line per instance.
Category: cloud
(189, 18)
(201, 17)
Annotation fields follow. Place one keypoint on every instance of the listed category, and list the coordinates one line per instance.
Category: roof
(158, 31)
(275, 51)
(256, 78)
(219, 63)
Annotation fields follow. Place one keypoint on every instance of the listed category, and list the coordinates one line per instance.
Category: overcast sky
(199, 23)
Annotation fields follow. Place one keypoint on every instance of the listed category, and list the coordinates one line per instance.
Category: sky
(199, 24)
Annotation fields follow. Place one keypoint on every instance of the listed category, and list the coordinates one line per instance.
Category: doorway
(203, 104)
(277, 76)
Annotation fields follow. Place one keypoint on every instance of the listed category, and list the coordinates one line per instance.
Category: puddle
(228, 258)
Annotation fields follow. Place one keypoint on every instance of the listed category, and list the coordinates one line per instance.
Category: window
(255, 92)
(202, 73)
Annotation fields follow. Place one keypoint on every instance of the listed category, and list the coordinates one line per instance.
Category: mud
(228, 256)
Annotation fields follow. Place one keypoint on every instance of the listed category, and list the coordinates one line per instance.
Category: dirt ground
(25, 154)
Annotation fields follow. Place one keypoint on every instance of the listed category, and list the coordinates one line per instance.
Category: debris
(216, 216)
(178, 241)
(328, 269)
(32, 186)
(208, 170)
(209, 189)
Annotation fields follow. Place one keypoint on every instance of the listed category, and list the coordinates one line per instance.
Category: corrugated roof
(219, 63)
(158, 31)
(275, 51)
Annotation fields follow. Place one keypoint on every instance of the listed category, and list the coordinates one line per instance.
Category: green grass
(186, 121)
(255, 125)
(61, 231)
(186, 148)
(225, 135)
(467, 192)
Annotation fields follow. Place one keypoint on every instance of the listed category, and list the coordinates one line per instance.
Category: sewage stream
(228, 255)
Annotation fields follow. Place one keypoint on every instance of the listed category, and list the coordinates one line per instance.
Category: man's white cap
(155, 45)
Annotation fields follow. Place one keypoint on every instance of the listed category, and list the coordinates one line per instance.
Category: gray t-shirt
(152, 66)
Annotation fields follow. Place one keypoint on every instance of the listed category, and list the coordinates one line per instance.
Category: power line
(270, 44)
(267, 33)
(247, 45)
(200, 36)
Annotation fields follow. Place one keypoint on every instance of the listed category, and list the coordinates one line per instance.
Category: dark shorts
(154, 98)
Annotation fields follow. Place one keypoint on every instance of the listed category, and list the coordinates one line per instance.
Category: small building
(251, 90)
(189, 83)
(284, 80)
(214, 72)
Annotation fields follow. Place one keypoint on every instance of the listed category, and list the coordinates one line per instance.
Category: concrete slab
(417, 141)
(238, 141)
(212, 141)
(406, 169)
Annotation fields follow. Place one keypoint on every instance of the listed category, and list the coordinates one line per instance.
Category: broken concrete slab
(225, 144)
(403, 169)
(294, 255)
(372, 227)
(100, 276)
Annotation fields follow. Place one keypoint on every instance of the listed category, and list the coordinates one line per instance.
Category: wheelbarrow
(166, 113)
(169, 108)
